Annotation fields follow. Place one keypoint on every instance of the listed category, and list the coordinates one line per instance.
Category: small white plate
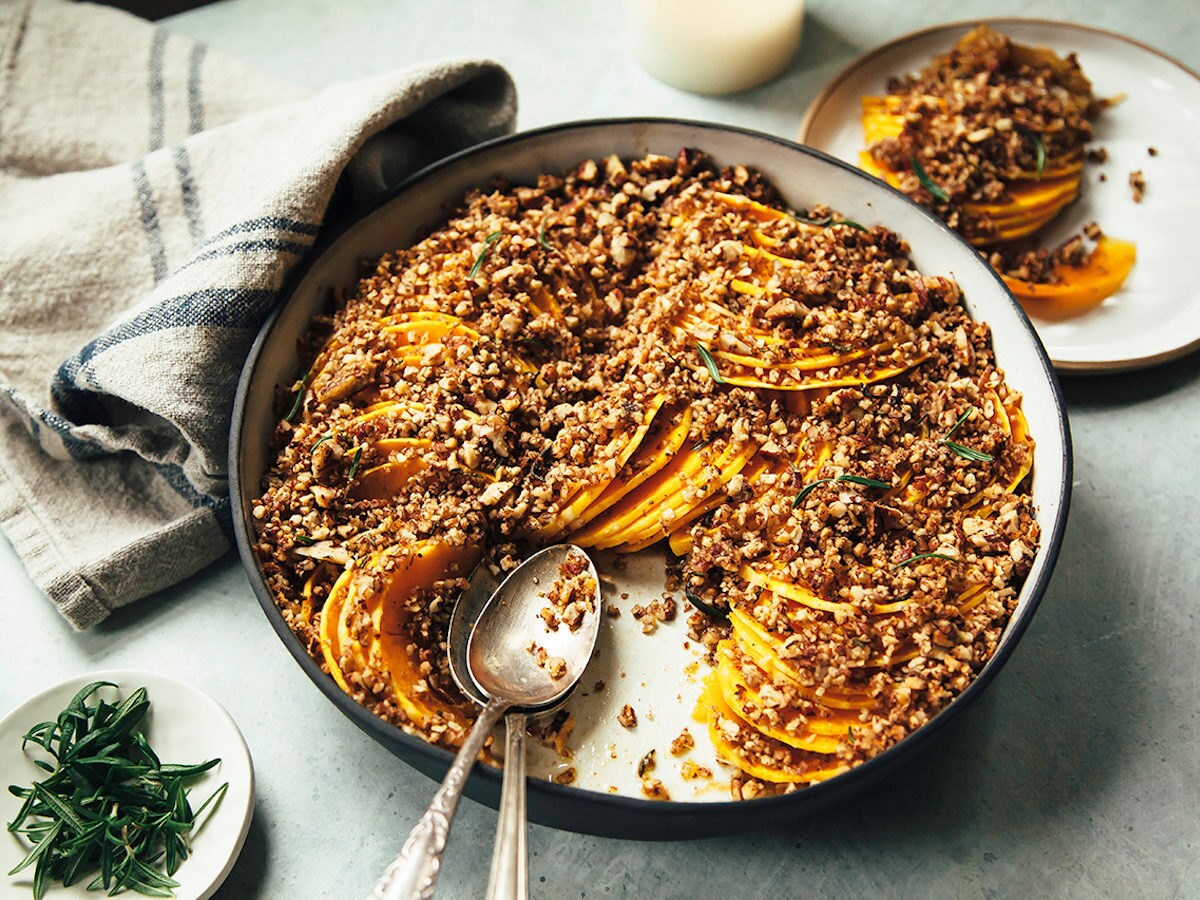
(1155, 316)
(184, 725)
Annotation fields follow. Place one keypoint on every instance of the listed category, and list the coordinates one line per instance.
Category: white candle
(715, 46)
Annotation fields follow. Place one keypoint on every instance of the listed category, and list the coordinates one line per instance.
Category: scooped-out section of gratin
(658, 355)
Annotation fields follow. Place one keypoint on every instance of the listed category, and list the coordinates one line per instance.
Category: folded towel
(153, 195)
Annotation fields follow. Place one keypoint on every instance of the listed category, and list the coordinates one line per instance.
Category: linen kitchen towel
(153, 196)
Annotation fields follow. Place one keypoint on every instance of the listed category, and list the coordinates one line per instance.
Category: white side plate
(184, 725)
(1155, 316)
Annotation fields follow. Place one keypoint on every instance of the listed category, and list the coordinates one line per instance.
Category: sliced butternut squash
(654, 456)
(739, 697)
(404, 572)
(387, 480)
(620, 449)
(749, 641)
(671, 478)
(677, 509)
(788, 765)
(1078, 288)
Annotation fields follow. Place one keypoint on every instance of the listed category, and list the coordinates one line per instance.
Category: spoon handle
(413, 874)
(509, 879)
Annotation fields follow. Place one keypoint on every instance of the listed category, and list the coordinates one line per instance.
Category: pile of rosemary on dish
(109, 803)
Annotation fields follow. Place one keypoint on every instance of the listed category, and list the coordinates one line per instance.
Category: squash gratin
(648, 351)
(992, 137)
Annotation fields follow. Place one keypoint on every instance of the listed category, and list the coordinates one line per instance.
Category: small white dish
(183, 725)
(1155, 317)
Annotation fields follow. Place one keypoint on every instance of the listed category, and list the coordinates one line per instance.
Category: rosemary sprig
(958, 424)
(968, 452)
(710, 363)
(354, 463)
(487, 246)
(928, 183)
(713, 612)
(542, 235)
(1039, 148)
(920, 556)
(961, 450)
(299, 397)
(108, 804)
(853, 479)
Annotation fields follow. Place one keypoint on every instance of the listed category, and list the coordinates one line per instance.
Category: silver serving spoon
(493, 669)
(499, 661)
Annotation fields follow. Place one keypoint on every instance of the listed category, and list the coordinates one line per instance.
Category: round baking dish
(804, 177)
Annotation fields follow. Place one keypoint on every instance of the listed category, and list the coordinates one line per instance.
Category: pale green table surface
(1078, 773)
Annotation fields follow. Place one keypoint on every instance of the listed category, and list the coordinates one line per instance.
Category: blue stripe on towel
(36, 416)
(173, 475)
(150, 225)
(211, 308)
(279, 223)
(194, 85)
(158, 113)
(248, 246)
(191, 198)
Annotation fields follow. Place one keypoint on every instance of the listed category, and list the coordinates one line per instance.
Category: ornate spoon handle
(413, 874)
(509, 879)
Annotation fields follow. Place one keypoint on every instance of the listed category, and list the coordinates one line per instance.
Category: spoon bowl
(512, 650)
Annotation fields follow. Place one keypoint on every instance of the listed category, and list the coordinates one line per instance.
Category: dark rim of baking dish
(653, 816)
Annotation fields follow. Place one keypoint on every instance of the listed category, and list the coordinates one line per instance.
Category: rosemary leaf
(713, 612)
(296, 404)
(1039, 149)
(710, 363)
(354, 464)
(39, 848)
(542, 235)
(830, 221)
(487, 246)
(853, 479)
(928, 183)
(968, 453)
(319, 441)
(965, 452)
(865, 482)
(920, 556)
(957, 425)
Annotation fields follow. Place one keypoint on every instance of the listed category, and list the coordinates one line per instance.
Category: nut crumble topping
(647, 350)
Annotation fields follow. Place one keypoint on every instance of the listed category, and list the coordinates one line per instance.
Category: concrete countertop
(1076, 775)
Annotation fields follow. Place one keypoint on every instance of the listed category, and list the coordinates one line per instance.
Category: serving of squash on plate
(992, 137)
(658, 352)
